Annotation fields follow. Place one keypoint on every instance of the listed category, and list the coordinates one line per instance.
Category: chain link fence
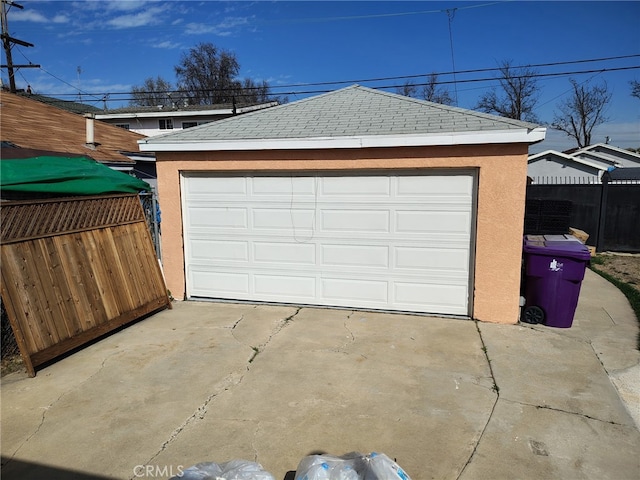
(152, 213)
(11, 360)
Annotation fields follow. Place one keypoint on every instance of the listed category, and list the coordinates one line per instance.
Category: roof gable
(564, 159)
(349, 118)
(609, 155)
(35, 125)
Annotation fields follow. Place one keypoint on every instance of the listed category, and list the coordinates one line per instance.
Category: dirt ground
(624, 267)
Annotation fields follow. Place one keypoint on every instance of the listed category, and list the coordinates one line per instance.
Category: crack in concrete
(53, 403)
(610, 317)
(232, 380)
(233, 327)
(554, 409)
(496, 389)
(351, 334)
(279, 327)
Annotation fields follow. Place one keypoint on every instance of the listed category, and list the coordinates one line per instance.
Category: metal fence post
(602, 220)
(156, 223)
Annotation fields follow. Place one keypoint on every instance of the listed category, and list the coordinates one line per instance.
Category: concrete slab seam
(496, 389)
(549, 331)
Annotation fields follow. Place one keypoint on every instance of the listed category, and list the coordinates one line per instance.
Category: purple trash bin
(554, 268)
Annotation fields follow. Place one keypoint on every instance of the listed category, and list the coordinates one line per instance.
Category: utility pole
(8, 42)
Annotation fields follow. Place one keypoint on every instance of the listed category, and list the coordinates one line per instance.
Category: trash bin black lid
(556, 245)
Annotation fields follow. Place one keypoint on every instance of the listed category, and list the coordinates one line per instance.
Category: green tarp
(65, 175)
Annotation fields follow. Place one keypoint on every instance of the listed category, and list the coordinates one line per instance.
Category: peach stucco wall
(500, 216)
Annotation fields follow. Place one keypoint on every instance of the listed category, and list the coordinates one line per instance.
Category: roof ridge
(442, 106)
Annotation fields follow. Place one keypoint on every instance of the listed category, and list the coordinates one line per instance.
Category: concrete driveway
(447, 398)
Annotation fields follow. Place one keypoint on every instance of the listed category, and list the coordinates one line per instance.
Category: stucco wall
(500, 216)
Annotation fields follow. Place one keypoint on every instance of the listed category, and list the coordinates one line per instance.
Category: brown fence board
(75, 269)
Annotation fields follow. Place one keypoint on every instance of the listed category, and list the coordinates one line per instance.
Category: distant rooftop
(177, 107)
(68, 105)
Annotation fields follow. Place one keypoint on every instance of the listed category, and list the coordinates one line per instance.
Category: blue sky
(103, 48)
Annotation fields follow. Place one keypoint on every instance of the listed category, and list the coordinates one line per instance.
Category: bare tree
(582, 111)
(430, 91)
(153, 92)
(255, 92)
(635, 88)
(408, 89)
(207, 75)
(517, 96)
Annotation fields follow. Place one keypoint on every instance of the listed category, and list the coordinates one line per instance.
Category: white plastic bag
(353, 466)
(381, 467)
(233, 470)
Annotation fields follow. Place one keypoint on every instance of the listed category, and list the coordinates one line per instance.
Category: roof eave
(368, 141)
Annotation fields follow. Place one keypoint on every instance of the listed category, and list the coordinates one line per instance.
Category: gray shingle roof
(354, 111)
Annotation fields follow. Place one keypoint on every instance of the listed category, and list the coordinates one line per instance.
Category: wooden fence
(74, 269)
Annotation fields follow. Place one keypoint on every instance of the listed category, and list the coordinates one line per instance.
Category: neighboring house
(556, 167)
(68, 105)
(31, 124)
(608, 155)
(585, 165)
(356, 198)
(151, 121)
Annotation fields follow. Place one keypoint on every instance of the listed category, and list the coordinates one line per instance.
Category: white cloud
(223, 28)
(140, 19)
(167, 45)
(36, 17)
(111, 5)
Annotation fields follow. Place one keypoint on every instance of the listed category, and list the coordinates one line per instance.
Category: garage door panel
(275, 186)
(283, 218)
(284, 252)
(214, 217)
(421, 222)
(430, 259)
(438, 297)
(345, 187)
(207, 186)
(366, 256)
(383, 242)
(344, 220)
(226, 284)
(207, 250)
(434, 186)
(341, 290)
(271, 287)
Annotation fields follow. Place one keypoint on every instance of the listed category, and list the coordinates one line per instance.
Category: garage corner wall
(500, 205)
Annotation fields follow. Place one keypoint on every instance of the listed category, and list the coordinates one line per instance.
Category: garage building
(356, 198)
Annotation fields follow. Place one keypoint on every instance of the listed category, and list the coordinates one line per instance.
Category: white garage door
(400, 242)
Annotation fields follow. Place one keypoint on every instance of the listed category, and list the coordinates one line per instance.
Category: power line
(445, 82)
